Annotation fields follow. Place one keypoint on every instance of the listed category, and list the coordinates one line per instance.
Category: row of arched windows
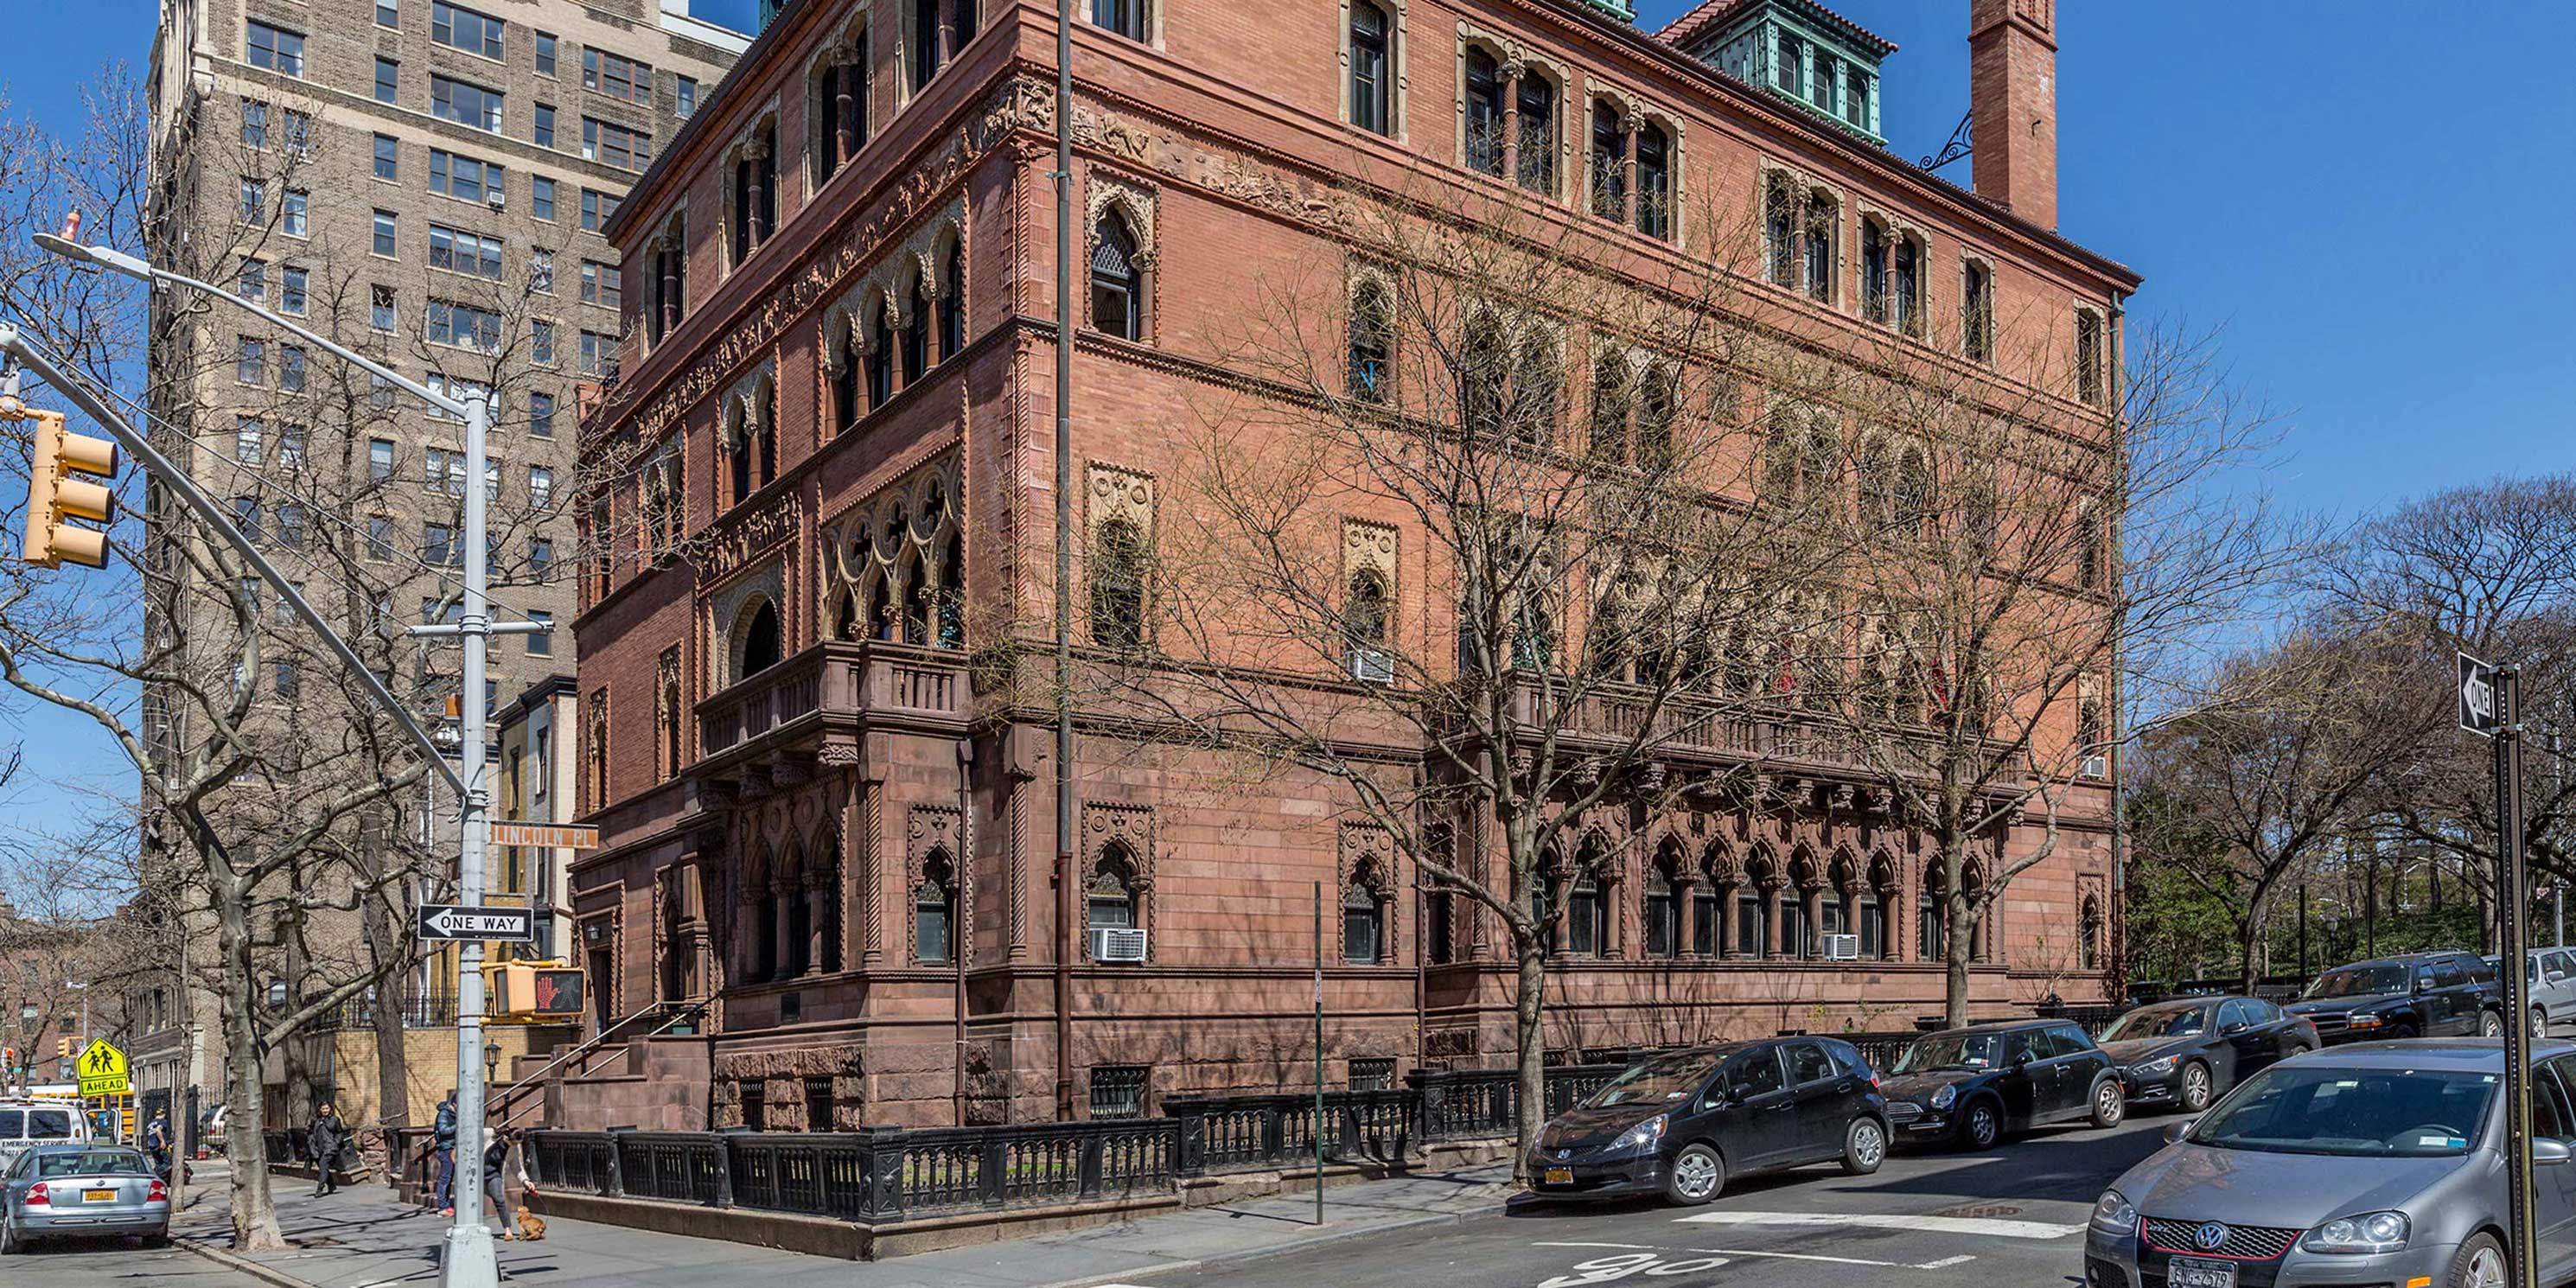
(891, 345)
(1801, 234)
(1511, 130)
(1760, 912)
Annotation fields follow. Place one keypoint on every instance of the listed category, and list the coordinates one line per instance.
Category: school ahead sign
(103, 1071)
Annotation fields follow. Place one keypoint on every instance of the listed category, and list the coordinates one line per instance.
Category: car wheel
(1864, 1147)
(2490, 1025)
(2539, 1023)
(1981, 1125)
(8, 1238)
(1697, 1174)
(2110, 1106)
(2196, 1087)
(2478, 1264)
(2401, 1030)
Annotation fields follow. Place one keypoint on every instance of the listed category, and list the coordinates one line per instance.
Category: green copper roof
(1623, 10)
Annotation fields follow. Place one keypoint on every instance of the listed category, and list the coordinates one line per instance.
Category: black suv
(1682, 1122)
(2417, 995)
(1970, 1086)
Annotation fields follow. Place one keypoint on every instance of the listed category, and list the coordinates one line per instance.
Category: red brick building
(826, 495)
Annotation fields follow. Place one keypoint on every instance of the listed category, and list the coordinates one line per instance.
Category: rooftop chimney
(2012, 96)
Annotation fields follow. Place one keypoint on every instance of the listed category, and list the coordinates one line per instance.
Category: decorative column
(816, 894)
(1771, 906)
(1628, 169)
(782, 900)
(754, 214)
(1512, 123)
(666, 262)
(845, 143)
(1685, 896)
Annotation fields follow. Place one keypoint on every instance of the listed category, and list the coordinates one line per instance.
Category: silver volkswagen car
(2379, 1163)
(81, 1191)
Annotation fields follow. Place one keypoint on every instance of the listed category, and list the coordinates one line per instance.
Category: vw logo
(1564, 1154)
(2210, 1237)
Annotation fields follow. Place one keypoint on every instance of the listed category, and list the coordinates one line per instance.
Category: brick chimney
(2012, 96)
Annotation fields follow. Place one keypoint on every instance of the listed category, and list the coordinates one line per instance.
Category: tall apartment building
(425, 182)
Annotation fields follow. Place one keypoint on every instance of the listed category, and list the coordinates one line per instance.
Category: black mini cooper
(1681, 1123)
(1971, 1086)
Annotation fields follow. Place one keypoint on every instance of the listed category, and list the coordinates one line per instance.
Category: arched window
(1873, 271)
(1364, 609)
(934, 911)
(1372, 72)
(1610, 406)
(1662, 922)
(845, 376)
(673, 741)
(738, 458)
(1538, 133)
(1753, 897)
(952, 592)
(840, 110)
(952, 304)
(760, 642)
(1538, 385)
(1977, 312)
(1659, 396)
(881, 623)
(1905, 301)
(928, 45)
(800, 927)
(916, 335)
(1876, 898)
(1654, 180)
(1363, 920)
(1932, 908)
(1609, 162)
(1795, 932)
(765, 959)
(1126, 17)
(1117, 285)
(1780, 231)
(1372, 341)
(670, 278)
(1109, 898)
(765, 432)
(880, 356)
(2088, 932)
(2088, 356)
(1485, 116)
(1586, 916)
(1820, 248)
(1118, 586)
(845, 618)
(1484, 375)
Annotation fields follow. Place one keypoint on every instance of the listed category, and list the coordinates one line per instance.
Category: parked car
(1972, 1086)
(25, 1124)
(82, 1191)
(2189, 1051)
(210, 1128)
(2377, 1163)
(2417, 995)
(1680, 1124)
(2550, 975)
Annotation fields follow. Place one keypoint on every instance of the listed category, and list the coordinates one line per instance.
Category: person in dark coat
(157, 1141)
(443, 1135)
(326, 1140)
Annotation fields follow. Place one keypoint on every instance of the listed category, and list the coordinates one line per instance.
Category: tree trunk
(254, 1211)
(393, 1071)
(1960, 951)
(1532, 1052)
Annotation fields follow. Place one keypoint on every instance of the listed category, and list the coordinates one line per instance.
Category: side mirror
(2547, 1152)
(2177, 1131)
(2230, 1028)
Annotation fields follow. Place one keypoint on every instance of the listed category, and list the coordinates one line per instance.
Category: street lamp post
(469, 1262)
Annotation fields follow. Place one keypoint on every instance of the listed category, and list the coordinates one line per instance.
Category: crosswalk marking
(1989, 1227)
(1943, 1263)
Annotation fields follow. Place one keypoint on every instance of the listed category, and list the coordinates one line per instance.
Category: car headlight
(2370, 1232)
(1946, 1096)
(2113, 1215)
(1643, 1135)
(2156, 1068)
(2367, 1021)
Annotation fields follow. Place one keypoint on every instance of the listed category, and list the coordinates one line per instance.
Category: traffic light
(62, 1048)
(53, 497)
(532, 989)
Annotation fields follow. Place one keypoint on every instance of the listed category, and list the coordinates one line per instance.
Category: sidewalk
(361, 1238)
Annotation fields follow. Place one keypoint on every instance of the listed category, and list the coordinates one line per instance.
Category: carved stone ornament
(726, 619)
(1131, 826)
(1114, 493)
(1134, 201)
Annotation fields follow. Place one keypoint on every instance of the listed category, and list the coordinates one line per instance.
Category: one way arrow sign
(2477, 697)
(451, 921)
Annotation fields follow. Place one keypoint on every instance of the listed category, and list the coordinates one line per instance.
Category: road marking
(1919, 1224)
(1774, 1256)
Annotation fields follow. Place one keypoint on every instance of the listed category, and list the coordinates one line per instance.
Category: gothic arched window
(1118, 585)
(1819, 245)
(934, 912)
(1484, 113)
(1654, 180)
(1372, 71)
(1109, 898)
(1117, 284)
(1609, 162)
(880, 355)
(760, 641)
(1587, 919)
(1363, 921)
(952, 304)
(1663, 926)
(1372, 342)
(845, 377)
(916, 336)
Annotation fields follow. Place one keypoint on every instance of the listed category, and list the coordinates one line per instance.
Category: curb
(226, 1258)
(1293, 1246)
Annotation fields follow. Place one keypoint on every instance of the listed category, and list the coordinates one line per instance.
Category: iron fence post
(724, 1169)
(614, 1184)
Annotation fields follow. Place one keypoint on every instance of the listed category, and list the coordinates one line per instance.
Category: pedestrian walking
(326, 1140)
(156, 1141)
(499, 1162)
(443, 1135)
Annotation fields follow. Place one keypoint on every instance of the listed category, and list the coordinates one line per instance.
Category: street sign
(554, 836)
(103, 1071)
(2477, 697)
(450, 921)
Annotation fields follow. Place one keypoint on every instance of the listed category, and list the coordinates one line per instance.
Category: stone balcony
(1691, 732)
(819, 703)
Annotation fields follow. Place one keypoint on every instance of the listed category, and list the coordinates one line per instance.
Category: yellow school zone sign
(103, 1071)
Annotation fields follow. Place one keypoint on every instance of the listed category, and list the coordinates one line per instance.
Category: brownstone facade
(827, 523)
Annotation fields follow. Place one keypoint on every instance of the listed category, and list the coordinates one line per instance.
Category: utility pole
(2513, 912)
(1066, 940)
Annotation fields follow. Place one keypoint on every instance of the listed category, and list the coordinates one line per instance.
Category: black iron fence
(418, 1011)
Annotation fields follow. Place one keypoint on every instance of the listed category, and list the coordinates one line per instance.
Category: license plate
(98, 1196)
(2191, 1272)
(1560, 1176)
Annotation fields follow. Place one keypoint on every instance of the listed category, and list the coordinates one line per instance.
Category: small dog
(531, 1226)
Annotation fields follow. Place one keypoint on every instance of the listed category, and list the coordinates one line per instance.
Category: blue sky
(2391, 275)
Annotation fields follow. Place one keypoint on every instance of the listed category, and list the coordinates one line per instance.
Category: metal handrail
(677, 1011)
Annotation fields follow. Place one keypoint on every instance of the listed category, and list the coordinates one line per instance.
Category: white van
(38, 1122)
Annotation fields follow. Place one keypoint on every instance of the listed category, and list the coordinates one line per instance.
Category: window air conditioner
(1111, 944)
(495, 197)
(1842, 948)
(2097, 766)
(1372, 666)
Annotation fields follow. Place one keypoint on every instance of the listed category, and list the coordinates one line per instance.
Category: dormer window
(1796, 50)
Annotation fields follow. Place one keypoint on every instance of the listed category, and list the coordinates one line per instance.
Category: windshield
(91, 1162)
(2359, 981)
(1952, 1051)
(2179, 1021)
(1666, 1077)
(2355, 1112)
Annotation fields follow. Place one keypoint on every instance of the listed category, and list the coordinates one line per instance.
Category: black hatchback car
(1681, 1123)
(2187, 1051)
(1971, 1086)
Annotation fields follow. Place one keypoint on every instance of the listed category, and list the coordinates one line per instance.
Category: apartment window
(388, 158)
(389, 14)
(542, 643)
(246, 516)
(465, 103)
(541, 415)
(250, 361)
(598, 355)
(458, 251)
(541, 198)
(254, 127)
(1654, 181)
(2089, 383)
(254, 201)
(1977, 311)
(541, 343)
(386, 228)
(439, 547)
(457, 388)
(1537, 98)
(290, 369)
(388, 80)
(380, 393)
(299, 132)
(380, 458)
(286, 681)
(609, 143)
(1126, 17)
(1372, 91)
(616, 76)
(248, 441)
(465, 326)
(442, 470)
(597, 208)
(464, 178)
(541, 487)
(492, 479)
(380, 536)
(600, 284)
(253, 283)
(684, 93)
(276, 48)
(541, 557)
(1609, 162)
(291, 295)
(457, 28)
(545, 125)
(541, 271)
(291, 441)
(380, 307)
(545, 53)
(1485, 125)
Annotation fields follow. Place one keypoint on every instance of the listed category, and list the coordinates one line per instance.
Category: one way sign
(2477, 697)
(452, 921)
